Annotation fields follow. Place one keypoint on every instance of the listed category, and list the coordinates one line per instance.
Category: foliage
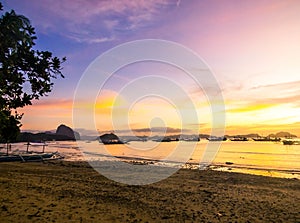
(26, 74)
(9, 126)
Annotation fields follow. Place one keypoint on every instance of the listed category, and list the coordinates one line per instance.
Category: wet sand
(60, 191)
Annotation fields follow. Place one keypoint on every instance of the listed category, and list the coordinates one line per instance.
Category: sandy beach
(60, 191)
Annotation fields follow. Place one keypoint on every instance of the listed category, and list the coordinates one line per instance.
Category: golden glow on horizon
(149, 112)
(154, 112)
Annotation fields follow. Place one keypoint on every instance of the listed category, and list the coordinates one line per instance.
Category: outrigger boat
(30, 157)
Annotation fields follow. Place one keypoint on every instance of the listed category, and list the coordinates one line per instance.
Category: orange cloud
(47, 114)
(250, 108)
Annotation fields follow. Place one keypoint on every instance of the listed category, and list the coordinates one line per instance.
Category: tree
(26, 74)
(9, 127)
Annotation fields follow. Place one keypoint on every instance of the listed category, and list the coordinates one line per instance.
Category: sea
(252, 157)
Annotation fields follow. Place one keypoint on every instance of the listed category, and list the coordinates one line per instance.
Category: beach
(61, 191)
(149, 111)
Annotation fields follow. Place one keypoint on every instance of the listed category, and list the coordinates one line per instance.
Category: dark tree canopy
(20, 64)
(25, 74)
(10, 126)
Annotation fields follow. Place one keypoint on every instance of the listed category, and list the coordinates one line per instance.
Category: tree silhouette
(25, 74)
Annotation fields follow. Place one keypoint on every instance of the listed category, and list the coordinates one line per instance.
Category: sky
(252, 47)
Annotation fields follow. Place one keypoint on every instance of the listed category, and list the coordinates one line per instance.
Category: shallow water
(262, 158)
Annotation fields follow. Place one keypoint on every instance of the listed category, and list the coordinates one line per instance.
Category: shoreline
(64, 191)
(246, 169)
(223, 167)
(72, 152)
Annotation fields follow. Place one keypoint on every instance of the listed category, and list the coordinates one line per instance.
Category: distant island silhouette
(64, 132)
(110, 138)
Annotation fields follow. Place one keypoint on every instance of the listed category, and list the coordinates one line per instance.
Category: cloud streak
(97, 21)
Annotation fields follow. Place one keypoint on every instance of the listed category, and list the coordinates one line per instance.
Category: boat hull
(27, 157)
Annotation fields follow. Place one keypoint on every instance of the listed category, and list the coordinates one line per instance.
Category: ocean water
(262, 158)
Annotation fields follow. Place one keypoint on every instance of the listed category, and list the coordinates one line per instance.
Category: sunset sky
(252, 47)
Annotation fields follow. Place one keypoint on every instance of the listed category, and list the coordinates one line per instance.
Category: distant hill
(40, 137)
(63, 133)
(255, 135)
(282, 135)
(251, 135)
(181, 136)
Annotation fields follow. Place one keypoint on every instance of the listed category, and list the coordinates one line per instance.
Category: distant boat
(166, 139)
(196, 139)
(239, 138)
(290, 142)
(213, 138)
(267, 139)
